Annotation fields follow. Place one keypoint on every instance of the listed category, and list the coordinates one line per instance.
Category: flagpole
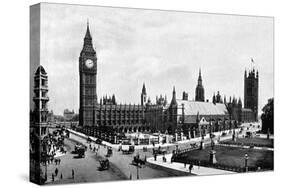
(252, 62)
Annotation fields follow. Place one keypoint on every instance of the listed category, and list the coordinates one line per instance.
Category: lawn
(235, 157)
(261, 142)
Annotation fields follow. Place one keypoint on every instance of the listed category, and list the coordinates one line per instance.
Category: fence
(246, 144)
(218, 166)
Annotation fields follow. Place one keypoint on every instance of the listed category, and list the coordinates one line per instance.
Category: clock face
(89, 63)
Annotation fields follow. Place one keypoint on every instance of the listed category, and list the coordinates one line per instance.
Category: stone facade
(251, 91)
(109, 120)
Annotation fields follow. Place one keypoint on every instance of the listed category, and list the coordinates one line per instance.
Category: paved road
(123, 163)
(85, 169)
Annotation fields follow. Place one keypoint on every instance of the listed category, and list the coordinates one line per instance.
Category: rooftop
(203, 108)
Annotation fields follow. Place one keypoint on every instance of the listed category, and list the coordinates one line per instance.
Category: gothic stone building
(106, 119)
(109, 121)
(39, 124)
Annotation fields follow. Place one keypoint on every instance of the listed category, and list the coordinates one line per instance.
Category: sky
(159, 48)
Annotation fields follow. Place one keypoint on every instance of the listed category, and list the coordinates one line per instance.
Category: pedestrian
(56, 171)
(198, 164)
(190, 167)
(130, 176)
(72, 174)
(53, 177)
(61, 176)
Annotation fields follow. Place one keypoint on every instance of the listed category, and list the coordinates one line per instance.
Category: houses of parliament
(108, 120)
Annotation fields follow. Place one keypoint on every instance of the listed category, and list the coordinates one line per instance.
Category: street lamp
(138, 171)
(246, 162)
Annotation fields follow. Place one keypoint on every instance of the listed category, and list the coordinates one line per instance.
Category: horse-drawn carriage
(109, 152)
(104, 164)
(80, 150)
(127, 149)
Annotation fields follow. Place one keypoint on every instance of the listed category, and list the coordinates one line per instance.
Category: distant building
(199, 92)
(143, 95)
(51, 117)
(68, 115)
(185, 96)
(251, 91)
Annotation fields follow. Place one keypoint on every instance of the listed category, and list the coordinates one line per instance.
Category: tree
(267, 116)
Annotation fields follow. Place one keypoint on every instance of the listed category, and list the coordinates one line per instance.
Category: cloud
(159, 48)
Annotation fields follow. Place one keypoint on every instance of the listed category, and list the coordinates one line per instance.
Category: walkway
(180, 167)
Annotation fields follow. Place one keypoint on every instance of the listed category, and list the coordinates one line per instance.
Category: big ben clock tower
(87, 76)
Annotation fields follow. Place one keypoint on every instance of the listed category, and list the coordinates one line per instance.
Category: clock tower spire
(87, 80)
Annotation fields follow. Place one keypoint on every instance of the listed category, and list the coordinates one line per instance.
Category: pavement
(197, 170)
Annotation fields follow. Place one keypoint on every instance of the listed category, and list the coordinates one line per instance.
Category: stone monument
(212, 159)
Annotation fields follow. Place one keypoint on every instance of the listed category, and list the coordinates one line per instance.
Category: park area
(230, 158)
(258, 142)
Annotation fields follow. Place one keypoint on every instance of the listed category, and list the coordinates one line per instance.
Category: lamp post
(246, 162)
(137, 160)
(138, 171)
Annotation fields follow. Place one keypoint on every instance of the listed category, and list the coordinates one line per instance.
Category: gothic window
(249, 91)
(91, 79)
(36, 94)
